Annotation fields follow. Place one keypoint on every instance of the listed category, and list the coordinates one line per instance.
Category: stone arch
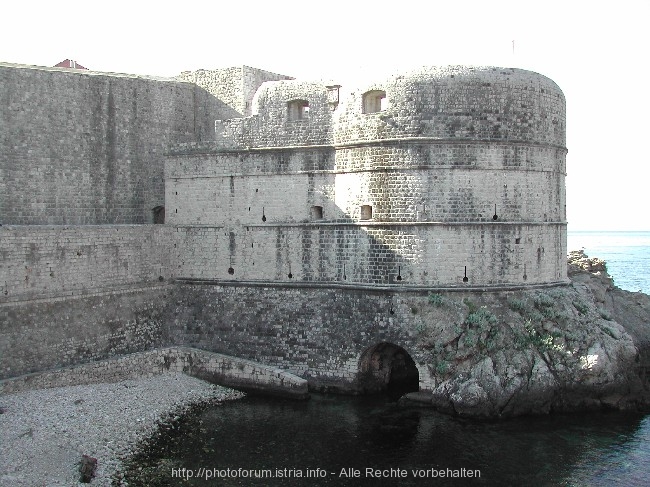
(386, 367)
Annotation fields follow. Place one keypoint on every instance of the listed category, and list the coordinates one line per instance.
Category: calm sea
(330, 441)
(627, 255)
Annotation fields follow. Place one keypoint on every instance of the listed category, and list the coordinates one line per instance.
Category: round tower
(457, 174)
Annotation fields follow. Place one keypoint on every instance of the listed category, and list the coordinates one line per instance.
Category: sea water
(369, 441)
(627, 255)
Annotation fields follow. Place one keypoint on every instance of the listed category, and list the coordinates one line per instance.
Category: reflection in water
(335, 433)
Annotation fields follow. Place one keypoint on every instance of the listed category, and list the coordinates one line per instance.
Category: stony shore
(44, 433)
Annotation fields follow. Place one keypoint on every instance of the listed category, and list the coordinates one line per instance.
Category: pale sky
(597, 52)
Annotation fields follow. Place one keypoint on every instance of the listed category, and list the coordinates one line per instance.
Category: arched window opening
(158, 214)
(298, 110)
(374, 101)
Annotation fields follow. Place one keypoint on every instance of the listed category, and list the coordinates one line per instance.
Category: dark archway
(387, 368)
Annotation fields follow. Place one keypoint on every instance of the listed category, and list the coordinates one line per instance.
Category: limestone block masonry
(303, 222)
(447, 177)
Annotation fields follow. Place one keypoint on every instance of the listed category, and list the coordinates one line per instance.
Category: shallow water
(336, 434)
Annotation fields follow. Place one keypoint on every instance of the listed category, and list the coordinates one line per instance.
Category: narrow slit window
(366, 212)
(298, 110)
(374, 101)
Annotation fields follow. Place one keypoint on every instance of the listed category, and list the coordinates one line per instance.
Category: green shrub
(480, 317)
(544, 301)
(549, 313)
(544, 342)
(442, 367)
(518, 305)
(469, 339)
(604, 314)
(581, 307)
(472, 307)
(535, 316)
(435, 299)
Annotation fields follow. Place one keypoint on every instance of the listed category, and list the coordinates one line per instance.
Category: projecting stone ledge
(212, 367)
(237, 373)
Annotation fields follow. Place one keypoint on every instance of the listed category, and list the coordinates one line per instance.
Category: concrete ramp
(235, 372)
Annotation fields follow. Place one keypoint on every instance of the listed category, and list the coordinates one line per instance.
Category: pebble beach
(44, 433)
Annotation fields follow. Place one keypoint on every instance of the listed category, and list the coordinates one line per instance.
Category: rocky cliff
(584, 346)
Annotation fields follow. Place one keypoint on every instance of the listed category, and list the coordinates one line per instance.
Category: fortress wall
(252, 79)
(213, 188)
(458, 195)
(449, 154)
(250, 200)
(276, 123)
(318, 334)
(82, 147)
(219, 188)
(53, 261)
(72, 294)
(233, 87)
(422, 255)
(207, 161)
(459, 102)
(50, 333)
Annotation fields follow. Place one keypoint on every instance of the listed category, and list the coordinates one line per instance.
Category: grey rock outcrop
(585, 346)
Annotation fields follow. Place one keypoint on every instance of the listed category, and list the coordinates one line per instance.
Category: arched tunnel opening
(387, 368)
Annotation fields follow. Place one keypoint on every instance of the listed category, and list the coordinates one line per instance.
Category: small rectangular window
(366, 212)
(374, 101)
(316, 212)
(297, 110)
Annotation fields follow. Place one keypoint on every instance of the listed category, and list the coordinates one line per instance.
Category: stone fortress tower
(446, 177)
(304, 223)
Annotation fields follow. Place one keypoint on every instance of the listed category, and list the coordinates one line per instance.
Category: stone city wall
(50, 333)
(71, 294)
(431, 255)
(81, 147)
(285, 113)
(45, 261)
(233, 87)
(318, 334)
